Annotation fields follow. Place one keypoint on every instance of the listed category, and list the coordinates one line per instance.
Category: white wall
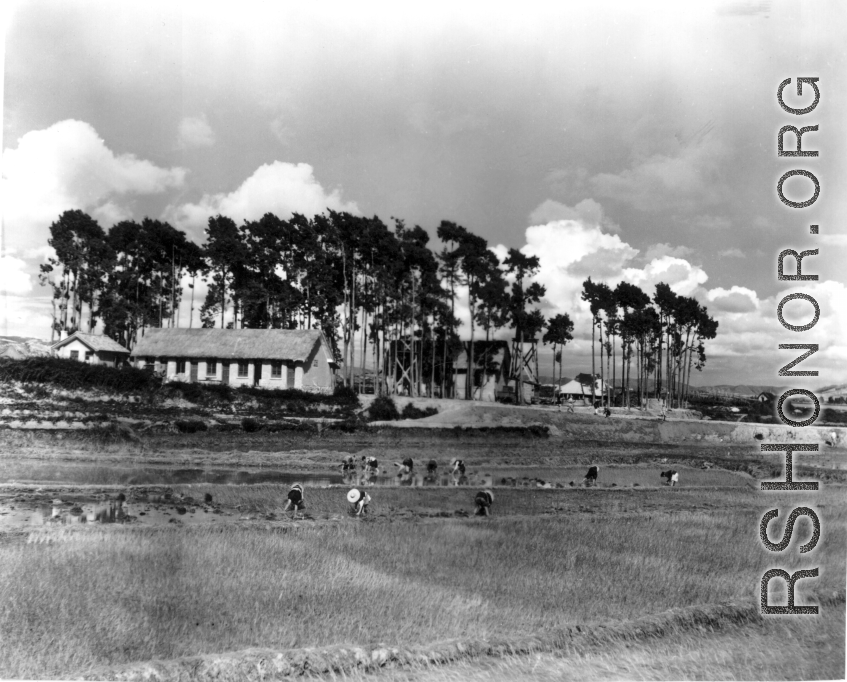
(75, 345)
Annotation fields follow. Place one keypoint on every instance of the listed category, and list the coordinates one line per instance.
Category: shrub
(190, 425)
(834, 416)
(412, 412)
(220, 392)
(251, 425)
(341, 396)
(345, 395)
(73, 374)
(199, 394)
(383, 409)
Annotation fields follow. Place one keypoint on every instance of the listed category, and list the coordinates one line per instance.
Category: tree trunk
(593, 367)
(602, 382)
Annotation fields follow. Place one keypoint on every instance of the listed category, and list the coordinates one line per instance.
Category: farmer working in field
(359, 501)
(295, 499)
(405, 470)
(483, 501)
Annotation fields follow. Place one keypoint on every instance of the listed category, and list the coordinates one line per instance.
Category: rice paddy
(419, 573)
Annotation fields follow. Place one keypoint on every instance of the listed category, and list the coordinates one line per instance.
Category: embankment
(623, 427)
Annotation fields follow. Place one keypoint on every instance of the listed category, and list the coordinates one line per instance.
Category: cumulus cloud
(68, 166)
(587, 210)
(659, 250)
(749, 326)
(734, 300)
(570, 250)
(14, 278)
(279, 187)
(195, 131)
(678, 273)
(110, 213)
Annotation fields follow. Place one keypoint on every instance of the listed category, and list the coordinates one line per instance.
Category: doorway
(257, 372)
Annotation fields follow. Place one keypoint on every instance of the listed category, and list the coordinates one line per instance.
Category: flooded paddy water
(37, 494)
(38, 472)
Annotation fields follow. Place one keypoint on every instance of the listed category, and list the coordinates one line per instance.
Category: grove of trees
(383, 298)
(664, 336)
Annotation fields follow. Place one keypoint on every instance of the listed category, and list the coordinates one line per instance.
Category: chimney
(63, 335)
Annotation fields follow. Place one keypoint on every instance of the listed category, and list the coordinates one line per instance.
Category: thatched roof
(95, 342)
(232, 344)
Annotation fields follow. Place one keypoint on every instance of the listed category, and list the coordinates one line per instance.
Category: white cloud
(13, 276)
(678, 273)
(195, 132)
(734, 300)
(280, 188)
(570, 250)
(659, 250)
(587, 210)
(748, 326)
(68, 166)
(110, 213)
(734, 252)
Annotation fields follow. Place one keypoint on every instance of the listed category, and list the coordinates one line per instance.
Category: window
(180, 366)
(276, 370)
(242, 368)
(88, 355)
(211, 368)
(315, 363)
(74, 355)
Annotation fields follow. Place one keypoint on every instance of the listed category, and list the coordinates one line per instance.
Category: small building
(269, 358)
(94, 349)
(580, 388)
(492, 361)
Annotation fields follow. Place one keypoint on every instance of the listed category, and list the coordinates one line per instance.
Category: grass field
(792, 650)
(419, 573)
(116, 595)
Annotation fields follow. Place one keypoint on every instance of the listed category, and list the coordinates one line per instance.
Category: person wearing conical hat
(295, 499)
(483, 501)
(359, 501)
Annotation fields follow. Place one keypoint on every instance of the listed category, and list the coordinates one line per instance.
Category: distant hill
(20, 347)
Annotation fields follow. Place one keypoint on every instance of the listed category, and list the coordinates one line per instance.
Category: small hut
(95, 349)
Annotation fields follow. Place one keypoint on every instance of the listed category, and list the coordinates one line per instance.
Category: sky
(625, 141)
